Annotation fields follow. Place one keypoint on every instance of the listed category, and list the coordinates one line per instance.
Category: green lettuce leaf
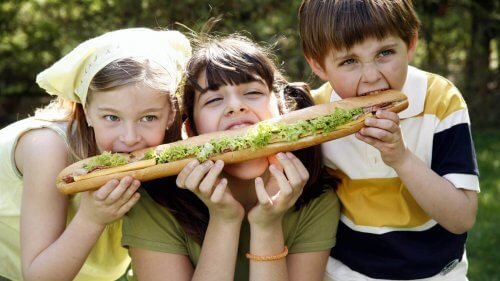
(106, 159)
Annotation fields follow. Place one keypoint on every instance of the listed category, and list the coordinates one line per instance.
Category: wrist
(265, 241)
(275, 257)
(265, 221)
(87, 222)
(224, 221)
(266, 232)
(404, 162)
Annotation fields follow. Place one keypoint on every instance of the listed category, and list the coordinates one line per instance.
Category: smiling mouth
(239, 126)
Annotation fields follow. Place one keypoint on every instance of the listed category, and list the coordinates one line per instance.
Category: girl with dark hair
(263, 219)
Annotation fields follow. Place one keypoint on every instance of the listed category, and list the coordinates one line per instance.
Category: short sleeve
(314, 226)
(453, 153)
(151, 226)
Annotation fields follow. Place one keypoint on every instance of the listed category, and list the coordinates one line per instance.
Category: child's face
(232, 107)
(129, 118)
(367, 67)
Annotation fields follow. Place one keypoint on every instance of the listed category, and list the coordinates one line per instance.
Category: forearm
(453, 208)
(267, 241)
(64, 258)
(219, 251)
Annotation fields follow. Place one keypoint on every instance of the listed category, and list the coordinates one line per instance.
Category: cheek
(397, 69)
(104, 141)
(156, 138)
(271, 112)
(345, 84)
(271, 108)
(398, 76)
(153, 134)
(205, 121)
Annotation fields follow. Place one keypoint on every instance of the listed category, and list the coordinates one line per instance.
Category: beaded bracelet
(268, 258)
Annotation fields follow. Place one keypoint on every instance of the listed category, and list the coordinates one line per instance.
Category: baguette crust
(150, 171)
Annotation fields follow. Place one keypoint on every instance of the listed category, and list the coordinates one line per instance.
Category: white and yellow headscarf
(70, 76)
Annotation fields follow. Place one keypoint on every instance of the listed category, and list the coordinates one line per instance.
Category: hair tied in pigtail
(297, 95)
(288, 90)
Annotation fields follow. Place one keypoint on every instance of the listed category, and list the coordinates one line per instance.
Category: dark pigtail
(297, 95)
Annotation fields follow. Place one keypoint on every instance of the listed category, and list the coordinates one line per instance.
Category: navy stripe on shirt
(453, 151)
(400, 255)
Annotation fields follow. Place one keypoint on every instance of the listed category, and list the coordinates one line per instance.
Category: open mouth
(239, 125)
(374, 108)
(373, 92)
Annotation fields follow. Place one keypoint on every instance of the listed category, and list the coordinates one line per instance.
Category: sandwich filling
(262, 134)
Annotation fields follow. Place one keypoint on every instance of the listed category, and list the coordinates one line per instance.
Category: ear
(87, 116)
(171, 118)
(189, 130)
(412, 46)
(317, 68)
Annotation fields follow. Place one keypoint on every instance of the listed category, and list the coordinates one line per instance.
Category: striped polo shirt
(383, 233)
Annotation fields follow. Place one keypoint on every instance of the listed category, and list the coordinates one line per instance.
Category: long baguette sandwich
(289, 132)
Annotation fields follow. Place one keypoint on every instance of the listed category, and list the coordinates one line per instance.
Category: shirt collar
(415, 88)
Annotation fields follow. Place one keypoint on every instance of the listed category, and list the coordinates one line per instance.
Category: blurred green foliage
(484, 238)
(459, 38)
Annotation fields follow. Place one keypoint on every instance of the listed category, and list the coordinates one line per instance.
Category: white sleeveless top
(107, 260)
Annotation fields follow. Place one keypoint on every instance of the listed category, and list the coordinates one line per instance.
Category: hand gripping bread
(289, 132)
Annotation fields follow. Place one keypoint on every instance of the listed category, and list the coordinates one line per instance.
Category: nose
(130, 135)
(371, 72)
(235, 105)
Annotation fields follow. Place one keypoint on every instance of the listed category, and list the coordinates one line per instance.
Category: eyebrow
(351, 55)
(260, 81)
(388, 46)
(149, 109)
(200, 95)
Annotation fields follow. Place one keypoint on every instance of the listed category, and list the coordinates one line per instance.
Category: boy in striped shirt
(409, 182)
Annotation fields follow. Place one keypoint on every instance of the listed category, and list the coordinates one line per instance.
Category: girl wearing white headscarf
(115, 92)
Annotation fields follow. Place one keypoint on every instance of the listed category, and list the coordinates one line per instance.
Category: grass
(484, 238)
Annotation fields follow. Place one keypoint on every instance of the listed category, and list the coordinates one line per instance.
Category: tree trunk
(477, 69)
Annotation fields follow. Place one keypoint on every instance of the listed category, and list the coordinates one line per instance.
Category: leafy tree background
(459, 39)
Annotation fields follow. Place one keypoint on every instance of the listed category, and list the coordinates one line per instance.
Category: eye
(111, 118)
(149, 118)
(212, 100)
(348, 62)
(386, 53)
(254, 94)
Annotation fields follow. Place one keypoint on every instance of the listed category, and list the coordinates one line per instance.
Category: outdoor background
(459, 39)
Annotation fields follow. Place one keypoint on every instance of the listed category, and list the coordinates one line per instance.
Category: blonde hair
(116, 74)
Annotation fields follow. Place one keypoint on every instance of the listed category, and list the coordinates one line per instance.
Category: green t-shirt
(151, 226)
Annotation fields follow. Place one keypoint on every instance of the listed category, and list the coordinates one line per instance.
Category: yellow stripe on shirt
(379, 202)
(443, 98)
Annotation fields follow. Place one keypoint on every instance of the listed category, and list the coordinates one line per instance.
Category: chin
(248, 170)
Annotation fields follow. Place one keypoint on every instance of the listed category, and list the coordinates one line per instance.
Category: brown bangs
(232, 60)
(360, 20)
(230, 65)
(341, 24)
